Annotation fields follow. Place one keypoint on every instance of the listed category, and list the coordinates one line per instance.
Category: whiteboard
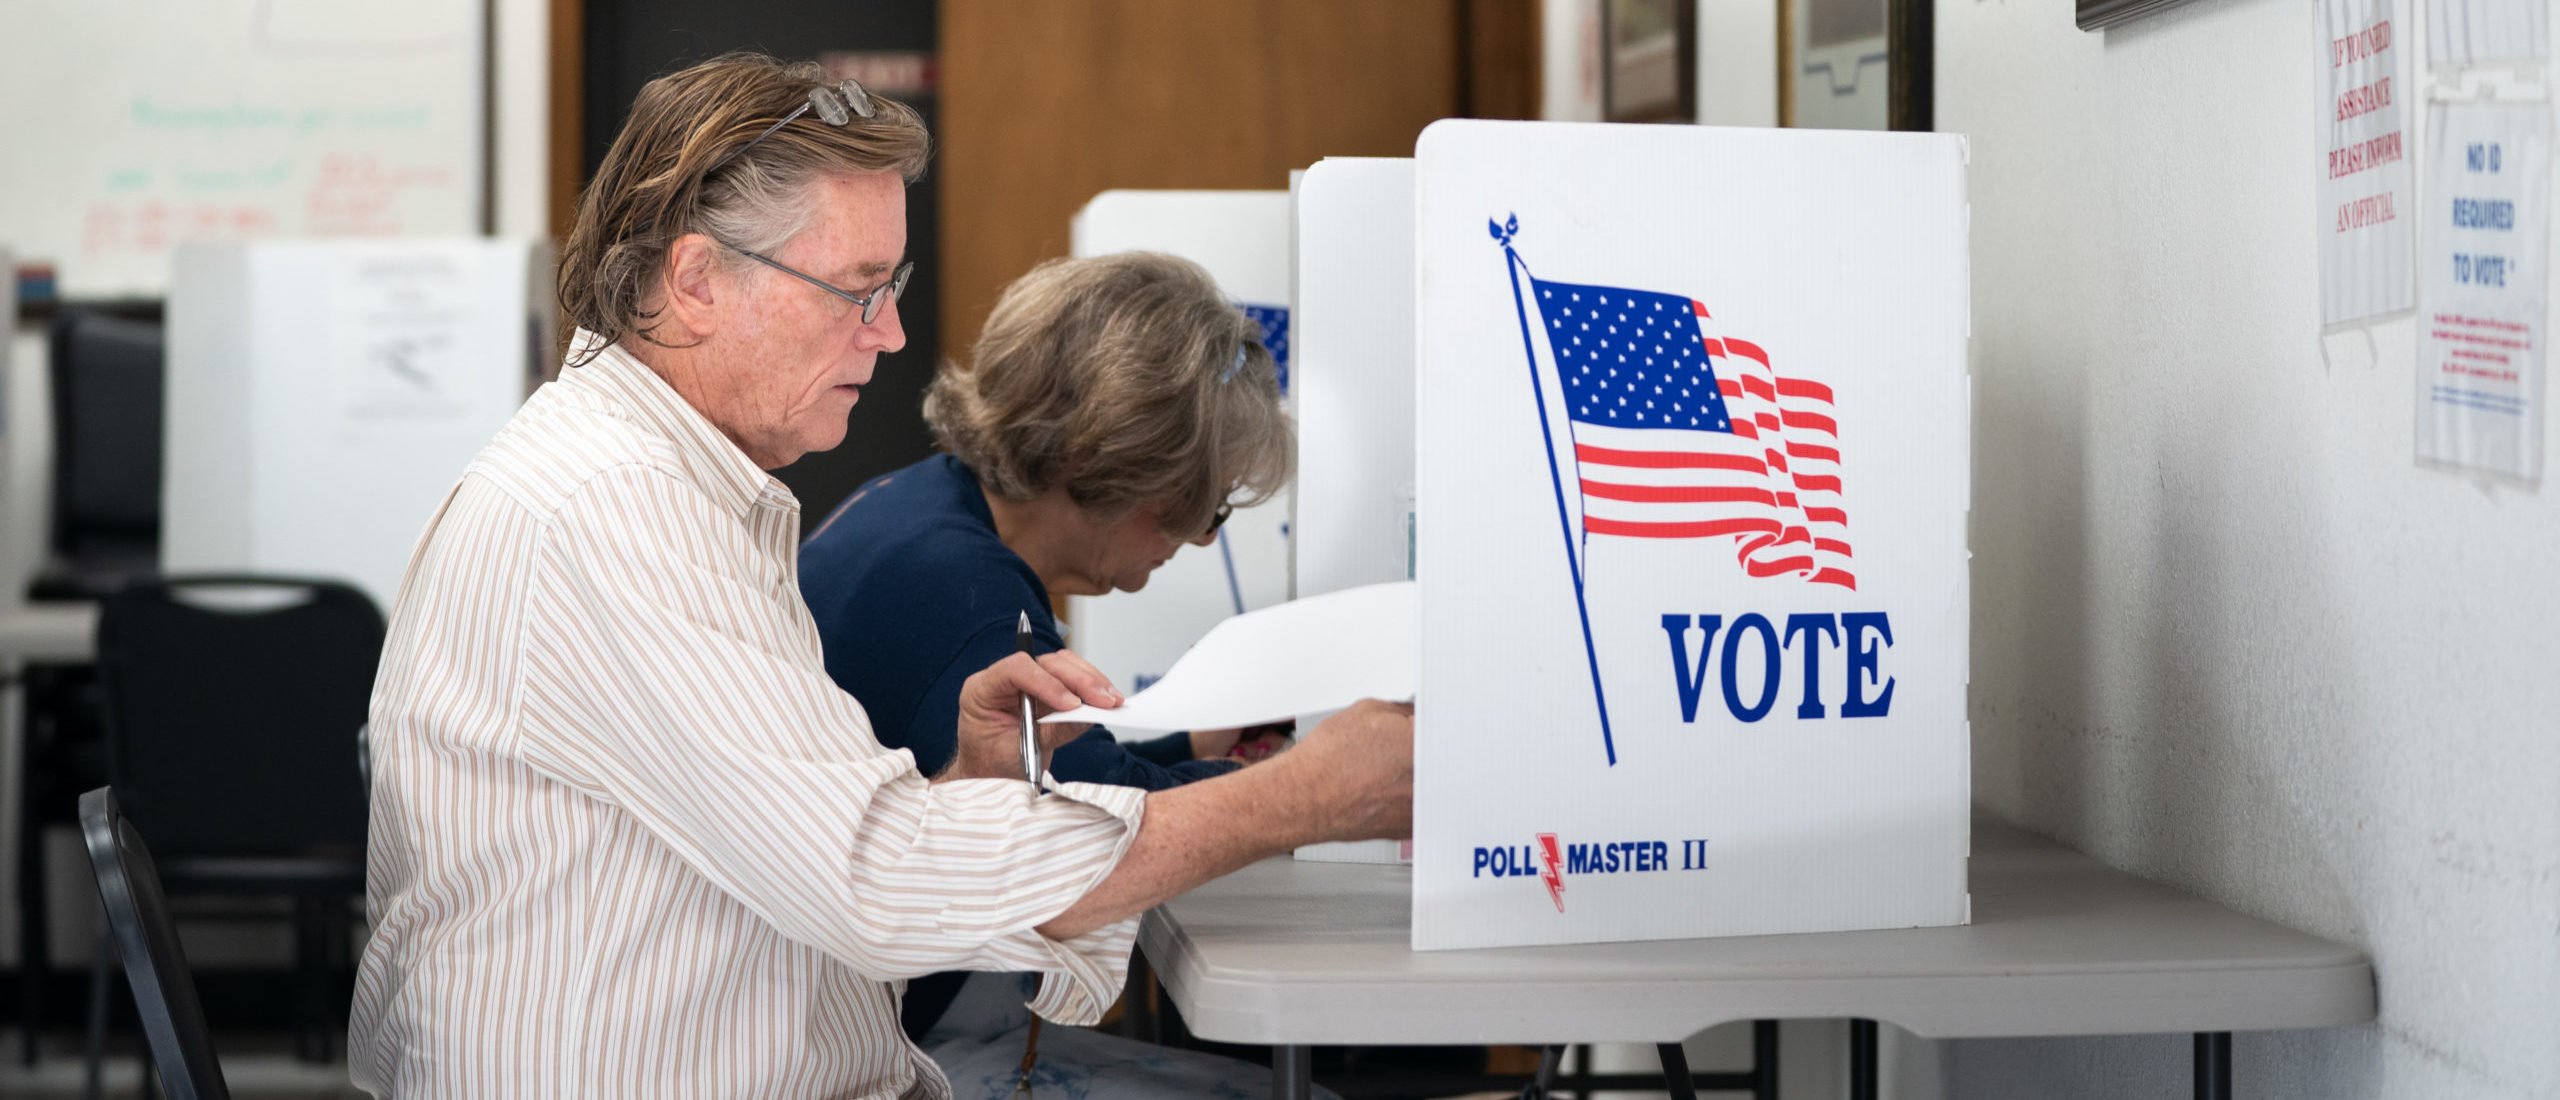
(135, 125)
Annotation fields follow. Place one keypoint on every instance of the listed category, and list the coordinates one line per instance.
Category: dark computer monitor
(107, 379)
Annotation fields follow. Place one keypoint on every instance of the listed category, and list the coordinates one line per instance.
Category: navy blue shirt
(914, 593)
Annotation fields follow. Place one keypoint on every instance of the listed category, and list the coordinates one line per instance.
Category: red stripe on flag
(1698, 307)
(1745, 429)
(1812, 483)
(1676, 494)
(1747, 350)
(1833, 545)
(1694, 530)
(1728, 387)
(1818, 453)
(1780, 567)
(1827, 515)
(1667, 460)
(1838, 577)
(1758, 387)
(1797, 387)
(1812, 420)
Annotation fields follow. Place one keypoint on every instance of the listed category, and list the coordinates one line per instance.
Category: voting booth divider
(1693, 471)
(1353, 496)
(1672, 427)
(324, 395)
(1352, 500)
(1242, 239)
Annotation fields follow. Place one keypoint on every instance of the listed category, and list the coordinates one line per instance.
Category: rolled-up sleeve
(675, 673)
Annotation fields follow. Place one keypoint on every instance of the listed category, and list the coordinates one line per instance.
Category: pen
(1030, 732)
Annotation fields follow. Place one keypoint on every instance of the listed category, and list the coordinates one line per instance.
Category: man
(628, 838)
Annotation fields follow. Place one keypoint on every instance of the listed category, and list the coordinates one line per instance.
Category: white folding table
(1301, 954)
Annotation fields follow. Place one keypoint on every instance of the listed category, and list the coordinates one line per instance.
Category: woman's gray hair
(1124, 379)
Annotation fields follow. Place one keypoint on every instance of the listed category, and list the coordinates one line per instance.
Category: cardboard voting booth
(1352, 386)
(325, 394)
(1693, 471)
(1352, 502)
(1242, 238)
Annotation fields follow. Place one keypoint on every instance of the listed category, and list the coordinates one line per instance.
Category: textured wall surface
(2227, 635)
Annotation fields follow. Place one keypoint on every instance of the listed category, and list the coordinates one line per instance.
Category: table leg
(2213, 1065)
(1675, 1072)
(34, 953)
(1550, 1058)
(1292, 1072)
(1862, 1060)
(1764, 1060)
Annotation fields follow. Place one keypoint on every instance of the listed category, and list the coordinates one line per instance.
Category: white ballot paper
(1318, 654)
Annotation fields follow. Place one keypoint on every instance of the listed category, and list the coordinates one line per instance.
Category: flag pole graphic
(1513, 266)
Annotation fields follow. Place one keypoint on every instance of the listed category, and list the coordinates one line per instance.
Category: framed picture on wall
(1648, 60)
(1854, 64)
(2099, 14)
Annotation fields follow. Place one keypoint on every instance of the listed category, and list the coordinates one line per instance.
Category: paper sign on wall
(1693, 463)
(1242, 238)
(2362, 129)
(2480, 376)
(400, 334)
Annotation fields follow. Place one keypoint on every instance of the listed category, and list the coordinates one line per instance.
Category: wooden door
(1045, 104)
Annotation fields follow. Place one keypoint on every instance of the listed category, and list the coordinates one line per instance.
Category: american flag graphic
(1275, 335)
(1678, 433)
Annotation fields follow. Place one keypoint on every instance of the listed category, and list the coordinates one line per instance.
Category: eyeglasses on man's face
(870, 303)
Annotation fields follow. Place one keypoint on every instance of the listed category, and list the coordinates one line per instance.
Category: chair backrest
(109, 379)
(233, 704)
(147, 940)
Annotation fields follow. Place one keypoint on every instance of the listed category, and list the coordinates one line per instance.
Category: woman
(1115, 409)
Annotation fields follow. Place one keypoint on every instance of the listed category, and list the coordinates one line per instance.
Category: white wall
(522, 88)
(1737, 75)
(1737, 63)
(2226, 634)
(1569, 60)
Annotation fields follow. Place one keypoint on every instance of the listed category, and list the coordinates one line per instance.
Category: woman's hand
(989, 739)
(1244, 744)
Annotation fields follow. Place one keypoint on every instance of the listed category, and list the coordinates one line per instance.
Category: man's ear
(694, 279)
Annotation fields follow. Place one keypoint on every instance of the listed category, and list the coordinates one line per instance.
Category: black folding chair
(144, 936)
(233, 706)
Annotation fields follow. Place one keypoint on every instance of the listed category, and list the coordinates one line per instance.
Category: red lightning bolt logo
(1554, 874)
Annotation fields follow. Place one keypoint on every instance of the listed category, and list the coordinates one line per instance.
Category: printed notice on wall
(399, 318)
(2468, 32)
(2365, 245)
(2481, 306)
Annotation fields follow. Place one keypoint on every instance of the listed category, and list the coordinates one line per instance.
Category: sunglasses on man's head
(837, 105)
